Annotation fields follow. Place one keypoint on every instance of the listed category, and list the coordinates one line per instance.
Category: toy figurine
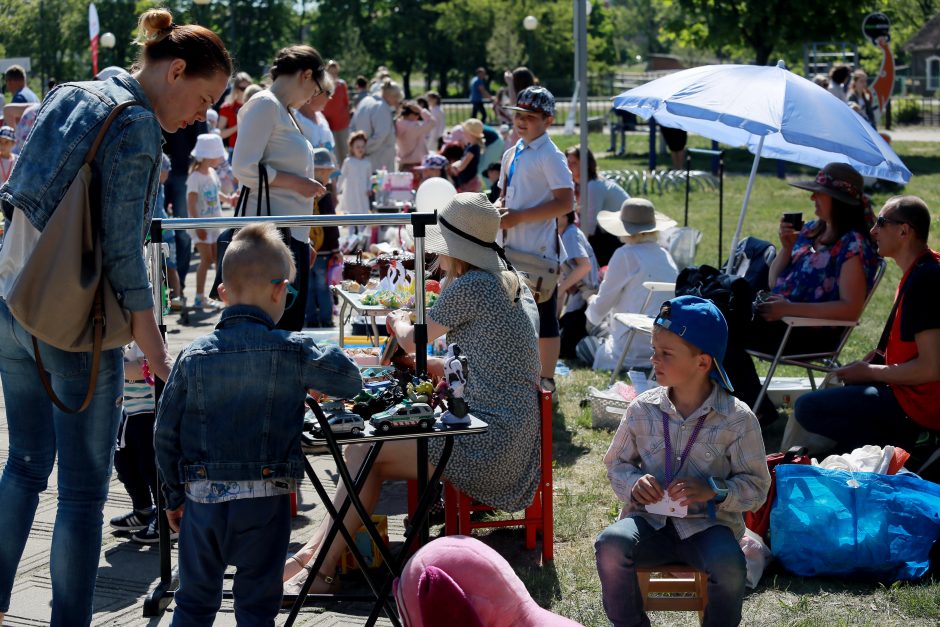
(455, 373)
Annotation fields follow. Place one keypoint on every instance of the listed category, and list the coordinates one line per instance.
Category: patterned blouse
(812, 275)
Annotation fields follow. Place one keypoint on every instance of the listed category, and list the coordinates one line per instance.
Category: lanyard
(685, 452)
(512, 165)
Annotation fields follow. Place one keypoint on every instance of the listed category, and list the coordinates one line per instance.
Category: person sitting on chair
(890, 397)
(824, 270)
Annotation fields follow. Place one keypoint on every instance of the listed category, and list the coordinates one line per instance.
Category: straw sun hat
(637, 216)
(466, 229)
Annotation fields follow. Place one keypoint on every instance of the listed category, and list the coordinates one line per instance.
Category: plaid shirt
(729, 446)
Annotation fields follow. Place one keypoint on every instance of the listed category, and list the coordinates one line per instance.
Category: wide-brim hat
(637, 216)
(839, 180)
(466, 229)
(473, 127)
(209, 146)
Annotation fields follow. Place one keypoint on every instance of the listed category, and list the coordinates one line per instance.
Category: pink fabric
(475, 574)
(411, 138)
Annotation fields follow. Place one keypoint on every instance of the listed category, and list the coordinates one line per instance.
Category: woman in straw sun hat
(639, 259)
(487, 311)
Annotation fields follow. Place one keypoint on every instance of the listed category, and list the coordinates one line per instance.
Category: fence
(457, 110)
(922, 110)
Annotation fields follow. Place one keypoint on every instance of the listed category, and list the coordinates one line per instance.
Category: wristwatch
(720, 487)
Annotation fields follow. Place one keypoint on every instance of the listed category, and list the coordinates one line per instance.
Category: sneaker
(151, 535)
(176, 304)
(202, 302)
(134, 520)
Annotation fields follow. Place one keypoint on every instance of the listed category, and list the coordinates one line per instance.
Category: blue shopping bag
(860, 525)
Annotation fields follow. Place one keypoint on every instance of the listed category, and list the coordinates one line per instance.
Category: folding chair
(639, 322)
(823, 361)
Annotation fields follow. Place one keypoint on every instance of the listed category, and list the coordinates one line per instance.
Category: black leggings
(135, 461)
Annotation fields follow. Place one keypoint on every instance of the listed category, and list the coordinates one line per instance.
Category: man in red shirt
(336, 113)
(893, 396)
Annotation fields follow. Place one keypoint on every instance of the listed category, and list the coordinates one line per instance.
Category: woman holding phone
(823, 269)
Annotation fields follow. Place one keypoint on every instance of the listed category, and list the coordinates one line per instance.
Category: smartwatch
(720, 487)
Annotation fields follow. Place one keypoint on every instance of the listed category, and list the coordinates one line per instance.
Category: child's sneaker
(176, 304)
(202, 302)
(134, 521)
(151, 535)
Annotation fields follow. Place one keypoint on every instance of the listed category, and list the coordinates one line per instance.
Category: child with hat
(203, 192)
(325, 243)
(465, 170)
(536, 189)
(7, 158)
(687, 460)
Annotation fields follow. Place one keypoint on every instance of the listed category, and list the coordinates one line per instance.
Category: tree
(504, 49)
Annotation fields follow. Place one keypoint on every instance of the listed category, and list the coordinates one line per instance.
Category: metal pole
(581, 13)
(747, 197)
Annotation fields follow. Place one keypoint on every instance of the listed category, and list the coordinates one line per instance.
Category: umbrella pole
(747, 197)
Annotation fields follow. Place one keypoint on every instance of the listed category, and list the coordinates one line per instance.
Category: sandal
(292, 588)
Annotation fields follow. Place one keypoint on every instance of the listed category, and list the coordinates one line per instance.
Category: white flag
(92, 21)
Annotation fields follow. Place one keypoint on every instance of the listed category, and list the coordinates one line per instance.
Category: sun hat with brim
(839, 180)
(473, 127)
(700, 323)
(209, 146)
(323, 159)
(466, 229)
(637, 216)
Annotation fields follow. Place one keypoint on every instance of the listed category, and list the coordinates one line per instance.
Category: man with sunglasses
(891, 397)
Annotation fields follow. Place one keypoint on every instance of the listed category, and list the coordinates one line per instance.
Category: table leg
(376, 339)
(342, 322)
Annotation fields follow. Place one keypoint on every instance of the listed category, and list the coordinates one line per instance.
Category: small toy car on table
(404, 415)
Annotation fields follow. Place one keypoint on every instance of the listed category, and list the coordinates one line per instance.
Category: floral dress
(500, 339)
(813, 273)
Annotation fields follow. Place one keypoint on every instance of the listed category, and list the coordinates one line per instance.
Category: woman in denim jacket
(181, 71)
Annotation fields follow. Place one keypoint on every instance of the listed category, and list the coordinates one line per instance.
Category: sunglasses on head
(880, 221)
(291, 292)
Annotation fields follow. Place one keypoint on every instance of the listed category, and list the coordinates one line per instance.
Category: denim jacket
(125, 172)
(233, 407)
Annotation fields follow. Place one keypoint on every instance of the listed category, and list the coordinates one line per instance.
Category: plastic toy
(455, 373)
(404, 414)
(343, 422)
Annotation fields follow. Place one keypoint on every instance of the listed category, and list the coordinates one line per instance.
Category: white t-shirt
(316, 131)
(576, 245)
(540, 168)
(206, 187)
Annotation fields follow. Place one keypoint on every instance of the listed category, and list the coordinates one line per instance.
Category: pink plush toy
(460, 582)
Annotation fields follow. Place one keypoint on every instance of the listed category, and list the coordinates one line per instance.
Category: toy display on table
(406, 414)
(455, 376)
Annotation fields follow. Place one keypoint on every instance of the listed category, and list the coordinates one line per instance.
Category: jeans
(478, 110)
(319, 298)
(84, 444)
(175, 191)
(856, 415)
(250, 534)
(632, 542)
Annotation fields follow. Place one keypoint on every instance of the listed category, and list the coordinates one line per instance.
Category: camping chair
(639, 322)
(823, 361)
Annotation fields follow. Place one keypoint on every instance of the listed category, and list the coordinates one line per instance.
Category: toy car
(404, 415)
(343, 422)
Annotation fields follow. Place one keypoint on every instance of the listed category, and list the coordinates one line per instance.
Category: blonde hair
(160, 39)
(640, 238)
(459, 267)
(256, 256)
(252, 89)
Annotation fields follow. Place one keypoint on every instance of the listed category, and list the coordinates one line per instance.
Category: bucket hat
(637, 216)
(473, 127)
(209, 146)
(323, 159)
(839, 180)
(466, 229)
(700, 323)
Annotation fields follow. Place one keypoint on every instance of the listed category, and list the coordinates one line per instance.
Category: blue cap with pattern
(536, 99)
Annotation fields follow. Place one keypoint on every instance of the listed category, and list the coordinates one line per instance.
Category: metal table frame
(160, 596)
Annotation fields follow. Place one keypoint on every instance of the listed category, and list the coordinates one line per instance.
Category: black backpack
(732, 295)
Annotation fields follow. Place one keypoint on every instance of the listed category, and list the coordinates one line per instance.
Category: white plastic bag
(757, 556)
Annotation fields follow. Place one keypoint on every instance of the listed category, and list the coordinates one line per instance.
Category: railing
(915, 110)
(457, 110)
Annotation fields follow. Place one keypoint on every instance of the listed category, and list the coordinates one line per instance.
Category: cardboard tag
(668, 507)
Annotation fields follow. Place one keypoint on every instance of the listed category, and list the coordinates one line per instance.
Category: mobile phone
(794, 219)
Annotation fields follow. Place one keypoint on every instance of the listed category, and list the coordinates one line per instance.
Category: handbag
(241, 210)
(64, 273)
(540, 273)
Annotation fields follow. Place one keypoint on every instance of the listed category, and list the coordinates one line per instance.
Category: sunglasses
(880, 221)
(291, 292)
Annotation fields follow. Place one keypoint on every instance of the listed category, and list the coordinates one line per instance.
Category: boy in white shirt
(537, 188)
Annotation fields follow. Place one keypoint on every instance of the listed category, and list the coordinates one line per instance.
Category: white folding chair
(822, 361)
(639, 322)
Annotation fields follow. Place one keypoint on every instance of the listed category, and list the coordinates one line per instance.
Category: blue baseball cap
(701, 324)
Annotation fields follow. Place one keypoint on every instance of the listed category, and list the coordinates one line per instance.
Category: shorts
(548, 317)
(212, 236)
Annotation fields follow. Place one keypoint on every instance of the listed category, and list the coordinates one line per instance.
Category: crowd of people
(551, 271)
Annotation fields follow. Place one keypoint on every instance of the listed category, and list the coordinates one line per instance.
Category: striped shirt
(729, 446)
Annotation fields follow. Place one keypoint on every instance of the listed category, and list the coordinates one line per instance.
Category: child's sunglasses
(291, 292)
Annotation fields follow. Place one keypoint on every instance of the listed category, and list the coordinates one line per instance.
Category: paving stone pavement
(127, 571)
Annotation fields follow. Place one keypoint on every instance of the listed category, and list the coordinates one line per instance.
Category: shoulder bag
(62, 296)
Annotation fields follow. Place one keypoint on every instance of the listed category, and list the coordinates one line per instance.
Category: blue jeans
(856, 415)
(84, 444)
(175, 191)
(633, 542)
(319, 297)
(250, 534)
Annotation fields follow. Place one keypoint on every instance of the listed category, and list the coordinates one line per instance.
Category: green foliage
(905, 110)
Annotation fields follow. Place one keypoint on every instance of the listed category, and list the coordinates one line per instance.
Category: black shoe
(133, 521)
(151, 535)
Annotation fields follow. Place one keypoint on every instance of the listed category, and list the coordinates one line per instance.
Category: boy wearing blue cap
(687, 460)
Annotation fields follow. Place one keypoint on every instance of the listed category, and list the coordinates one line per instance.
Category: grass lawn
(584, 502)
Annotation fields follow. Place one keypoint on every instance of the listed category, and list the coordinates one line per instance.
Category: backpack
(752, 259)
(732, 295)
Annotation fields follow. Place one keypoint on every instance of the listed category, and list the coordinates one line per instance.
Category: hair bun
(154, 25)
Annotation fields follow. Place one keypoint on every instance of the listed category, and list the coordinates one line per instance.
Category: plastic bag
(862, 525)
(756, 556)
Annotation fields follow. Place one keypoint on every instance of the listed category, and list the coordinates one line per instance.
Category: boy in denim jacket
(687, 460)
(228, 435)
